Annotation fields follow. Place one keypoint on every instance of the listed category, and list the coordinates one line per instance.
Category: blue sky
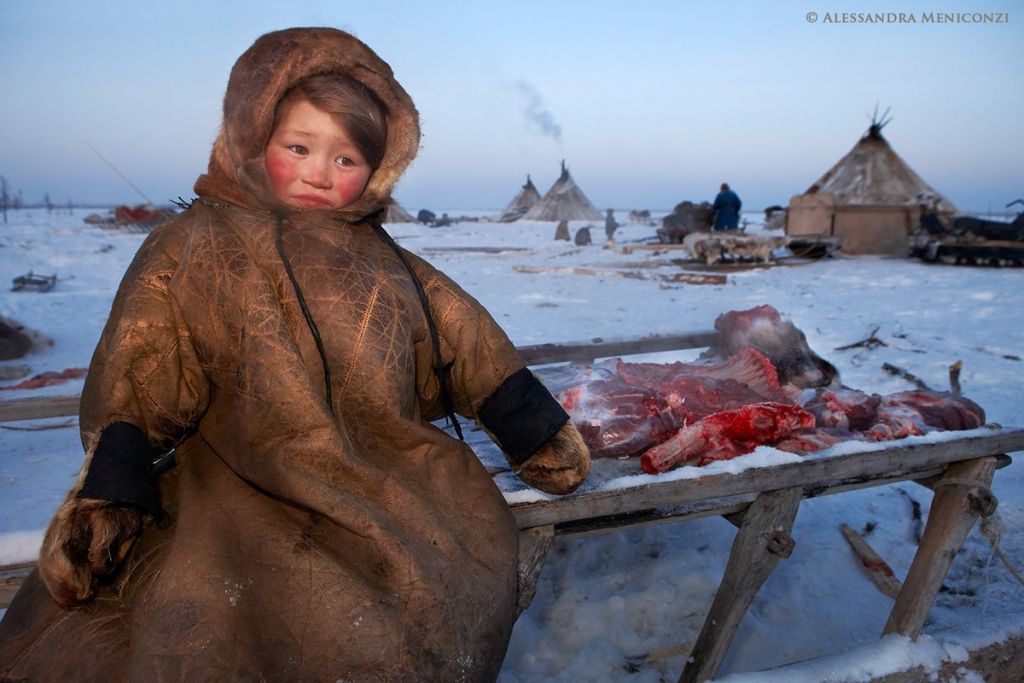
(656, 102)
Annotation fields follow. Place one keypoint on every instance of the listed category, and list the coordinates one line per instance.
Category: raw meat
(843, 408)
(762, 328)
(846, 414)
(745, 392)
(816, 439)
(48, 378)
(937, 409)
(727, 434)
(696, 390)
(617, 419)
(622, 408)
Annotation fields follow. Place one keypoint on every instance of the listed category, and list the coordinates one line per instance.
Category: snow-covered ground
(624, 606)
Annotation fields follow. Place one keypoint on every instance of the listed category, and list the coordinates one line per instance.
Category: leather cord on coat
(442, 370)
(310, 323)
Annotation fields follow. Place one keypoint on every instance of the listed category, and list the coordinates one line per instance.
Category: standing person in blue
(727, 209)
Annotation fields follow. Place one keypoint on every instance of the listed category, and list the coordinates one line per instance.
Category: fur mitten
(560, 465)
(87, 539)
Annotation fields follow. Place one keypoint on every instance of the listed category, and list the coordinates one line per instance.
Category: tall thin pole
(120, 175)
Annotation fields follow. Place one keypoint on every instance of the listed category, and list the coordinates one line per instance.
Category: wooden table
(763, 503)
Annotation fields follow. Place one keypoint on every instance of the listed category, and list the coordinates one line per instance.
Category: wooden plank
(813, 474)
(754, 555)
(536, 354)
(533, 549)
(11, 578)
(949, 521)
(730, 507)
(878, 570)
(38, 407)
(1002, 460)
(712, 507)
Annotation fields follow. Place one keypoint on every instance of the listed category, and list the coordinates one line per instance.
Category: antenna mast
(119, 174)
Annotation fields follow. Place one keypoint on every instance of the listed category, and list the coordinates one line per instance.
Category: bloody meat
(48, 378)
(618, 419)
(762, 328)
(843, 408)
(727, 434)
(760, 384)
(622, 408)
(696, 390)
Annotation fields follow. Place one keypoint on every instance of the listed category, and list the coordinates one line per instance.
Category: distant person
(582, 238)
(930, 222)
(562, 231)
(727, 209)
(610, 225)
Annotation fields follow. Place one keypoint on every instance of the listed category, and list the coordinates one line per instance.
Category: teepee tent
(871, 199)
(520, 204)
(397, 214)
(565, 201)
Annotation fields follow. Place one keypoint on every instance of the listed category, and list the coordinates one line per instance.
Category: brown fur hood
(308, 538)
(261, 77)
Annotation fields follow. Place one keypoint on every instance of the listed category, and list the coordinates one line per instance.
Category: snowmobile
(970, 240)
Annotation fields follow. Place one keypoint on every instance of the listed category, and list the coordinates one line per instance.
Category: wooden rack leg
(763, 539)
(952, 514)
(533, 548)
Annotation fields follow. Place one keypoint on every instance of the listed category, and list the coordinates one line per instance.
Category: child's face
(311, 161)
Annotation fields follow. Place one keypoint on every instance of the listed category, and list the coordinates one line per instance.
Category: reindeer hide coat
(307, 542)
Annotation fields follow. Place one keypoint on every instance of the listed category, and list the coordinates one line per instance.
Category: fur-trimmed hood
(320, 527)
(261, 77)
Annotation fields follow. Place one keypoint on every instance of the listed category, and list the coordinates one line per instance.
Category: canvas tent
(397, 214)
(565, 201)
(520, 204)
(871, 199)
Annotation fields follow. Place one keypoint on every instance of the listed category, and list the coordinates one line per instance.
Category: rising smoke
(538, 118)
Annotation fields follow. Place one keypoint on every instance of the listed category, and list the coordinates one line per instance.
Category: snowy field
(625, 606)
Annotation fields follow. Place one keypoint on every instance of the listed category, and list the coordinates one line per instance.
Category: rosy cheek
(349, 189)
(280, 172)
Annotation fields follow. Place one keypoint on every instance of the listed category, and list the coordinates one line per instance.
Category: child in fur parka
(317, 525)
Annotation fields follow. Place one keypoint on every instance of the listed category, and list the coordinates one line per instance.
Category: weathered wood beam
(732, 508)
(645, 518)
(11, 578)
(950, 519)
(535, 354)
(815, 475)
(533, 549)
(538, 354)
(879, 571)
(762, 540)
(38, 407)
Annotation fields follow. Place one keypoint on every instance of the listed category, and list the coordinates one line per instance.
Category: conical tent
(871, 199)
(397, 214)
(564, 201)
(520, 204)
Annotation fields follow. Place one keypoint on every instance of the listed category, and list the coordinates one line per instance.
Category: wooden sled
(761, 502)
(43, 283)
